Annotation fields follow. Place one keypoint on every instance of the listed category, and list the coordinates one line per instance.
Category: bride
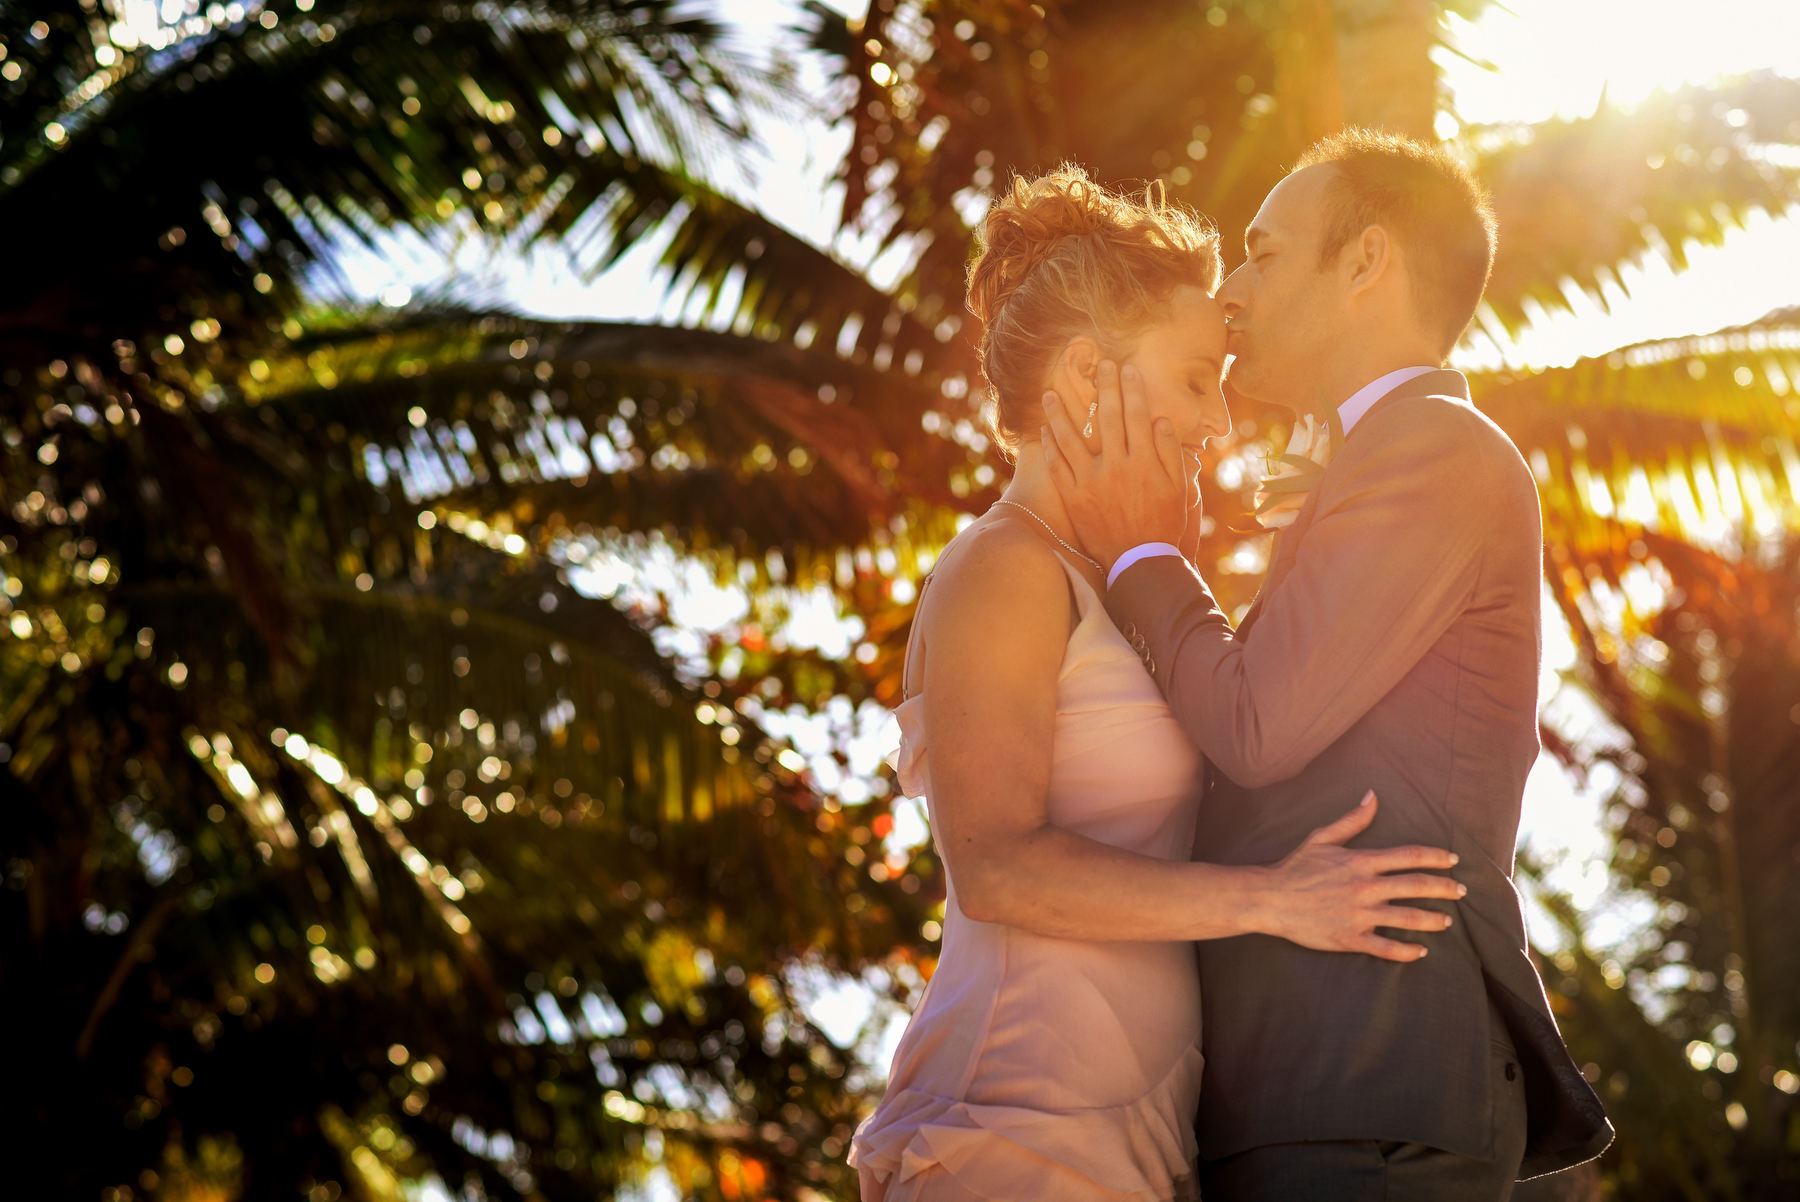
(1055, 1054)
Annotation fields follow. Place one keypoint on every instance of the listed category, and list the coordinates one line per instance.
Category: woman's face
(1180, 358)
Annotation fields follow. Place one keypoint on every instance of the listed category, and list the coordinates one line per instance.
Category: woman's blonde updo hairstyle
(1061, 256)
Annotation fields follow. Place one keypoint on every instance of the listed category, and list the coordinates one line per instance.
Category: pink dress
(1054, 1069)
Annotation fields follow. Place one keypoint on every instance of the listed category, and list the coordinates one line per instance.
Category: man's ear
(1370, 259)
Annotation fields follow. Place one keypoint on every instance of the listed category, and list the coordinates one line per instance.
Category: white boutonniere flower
(1288, 477)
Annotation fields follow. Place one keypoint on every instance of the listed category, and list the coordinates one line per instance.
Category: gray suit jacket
(1395, 646)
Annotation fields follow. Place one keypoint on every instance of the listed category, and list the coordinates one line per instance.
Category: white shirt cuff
(1141, 551)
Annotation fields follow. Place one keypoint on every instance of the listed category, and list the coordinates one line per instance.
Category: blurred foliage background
(382, 816)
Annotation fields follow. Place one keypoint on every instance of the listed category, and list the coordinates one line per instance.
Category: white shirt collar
(1364, 398)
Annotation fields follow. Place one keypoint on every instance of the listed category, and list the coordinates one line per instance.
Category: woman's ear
(1078, 369)
(1075, 380)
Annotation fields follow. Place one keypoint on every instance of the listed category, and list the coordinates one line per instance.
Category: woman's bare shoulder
(1000, 575)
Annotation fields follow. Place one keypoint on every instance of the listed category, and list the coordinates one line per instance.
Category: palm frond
(759, 446)
(276, 899)
(1578, 199)
(513, 115)
(1691, 438)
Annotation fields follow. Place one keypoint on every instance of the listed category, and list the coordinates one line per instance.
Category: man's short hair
(1428, 201)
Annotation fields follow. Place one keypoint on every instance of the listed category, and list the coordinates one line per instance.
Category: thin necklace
(1053, 534)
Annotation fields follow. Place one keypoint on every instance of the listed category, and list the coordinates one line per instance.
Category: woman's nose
(1218, 417)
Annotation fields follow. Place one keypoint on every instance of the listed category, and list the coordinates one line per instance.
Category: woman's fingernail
(1368, 798)
(1455, 859)
(1423, 952)
(1462, 890)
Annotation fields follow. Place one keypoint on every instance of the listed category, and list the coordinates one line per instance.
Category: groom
(1394, 647)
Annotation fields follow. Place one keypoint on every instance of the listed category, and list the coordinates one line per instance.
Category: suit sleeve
(1390, 559)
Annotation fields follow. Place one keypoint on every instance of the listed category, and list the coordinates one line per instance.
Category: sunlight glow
(1722, 286)
(1557, 58)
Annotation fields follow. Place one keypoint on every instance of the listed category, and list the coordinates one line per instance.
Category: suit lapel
(1446, 383)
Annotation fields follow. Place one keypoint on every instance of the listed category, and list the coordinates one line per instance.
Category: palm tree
(347, 841)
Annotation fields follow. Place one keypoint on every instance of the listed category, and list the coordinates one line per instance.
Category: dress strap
(1081, 593)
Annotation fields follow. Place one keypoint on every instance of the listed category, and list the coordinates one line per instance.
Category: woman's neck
(1032, 487)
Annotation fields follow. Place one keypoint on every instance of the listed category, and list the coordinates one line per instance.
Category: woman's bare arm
(993, 644)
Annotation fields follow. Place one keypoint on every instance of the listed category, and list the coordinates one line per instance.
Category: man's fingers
(1168, 451)
(1349, 826)
(1075, 414)
(1061, 474)
(1064, 443)
(1411, 858)
(1110, 419)
(1136, 412)
(1390, 949)
(1422, 884)
(1412, 918)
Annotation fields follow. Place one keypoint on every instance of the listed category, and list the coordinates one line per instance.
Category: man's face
(1280, 305)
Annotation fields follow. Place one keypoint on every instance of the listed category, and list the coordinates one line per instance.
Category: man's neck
(1336, 387)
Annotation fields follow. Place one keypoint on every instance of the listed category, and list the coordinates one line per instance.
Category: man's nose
(1231, 293)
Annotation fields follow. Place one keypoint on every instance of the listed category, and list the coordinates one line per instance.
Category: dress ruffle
(909, 758)
(1143, 1151)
